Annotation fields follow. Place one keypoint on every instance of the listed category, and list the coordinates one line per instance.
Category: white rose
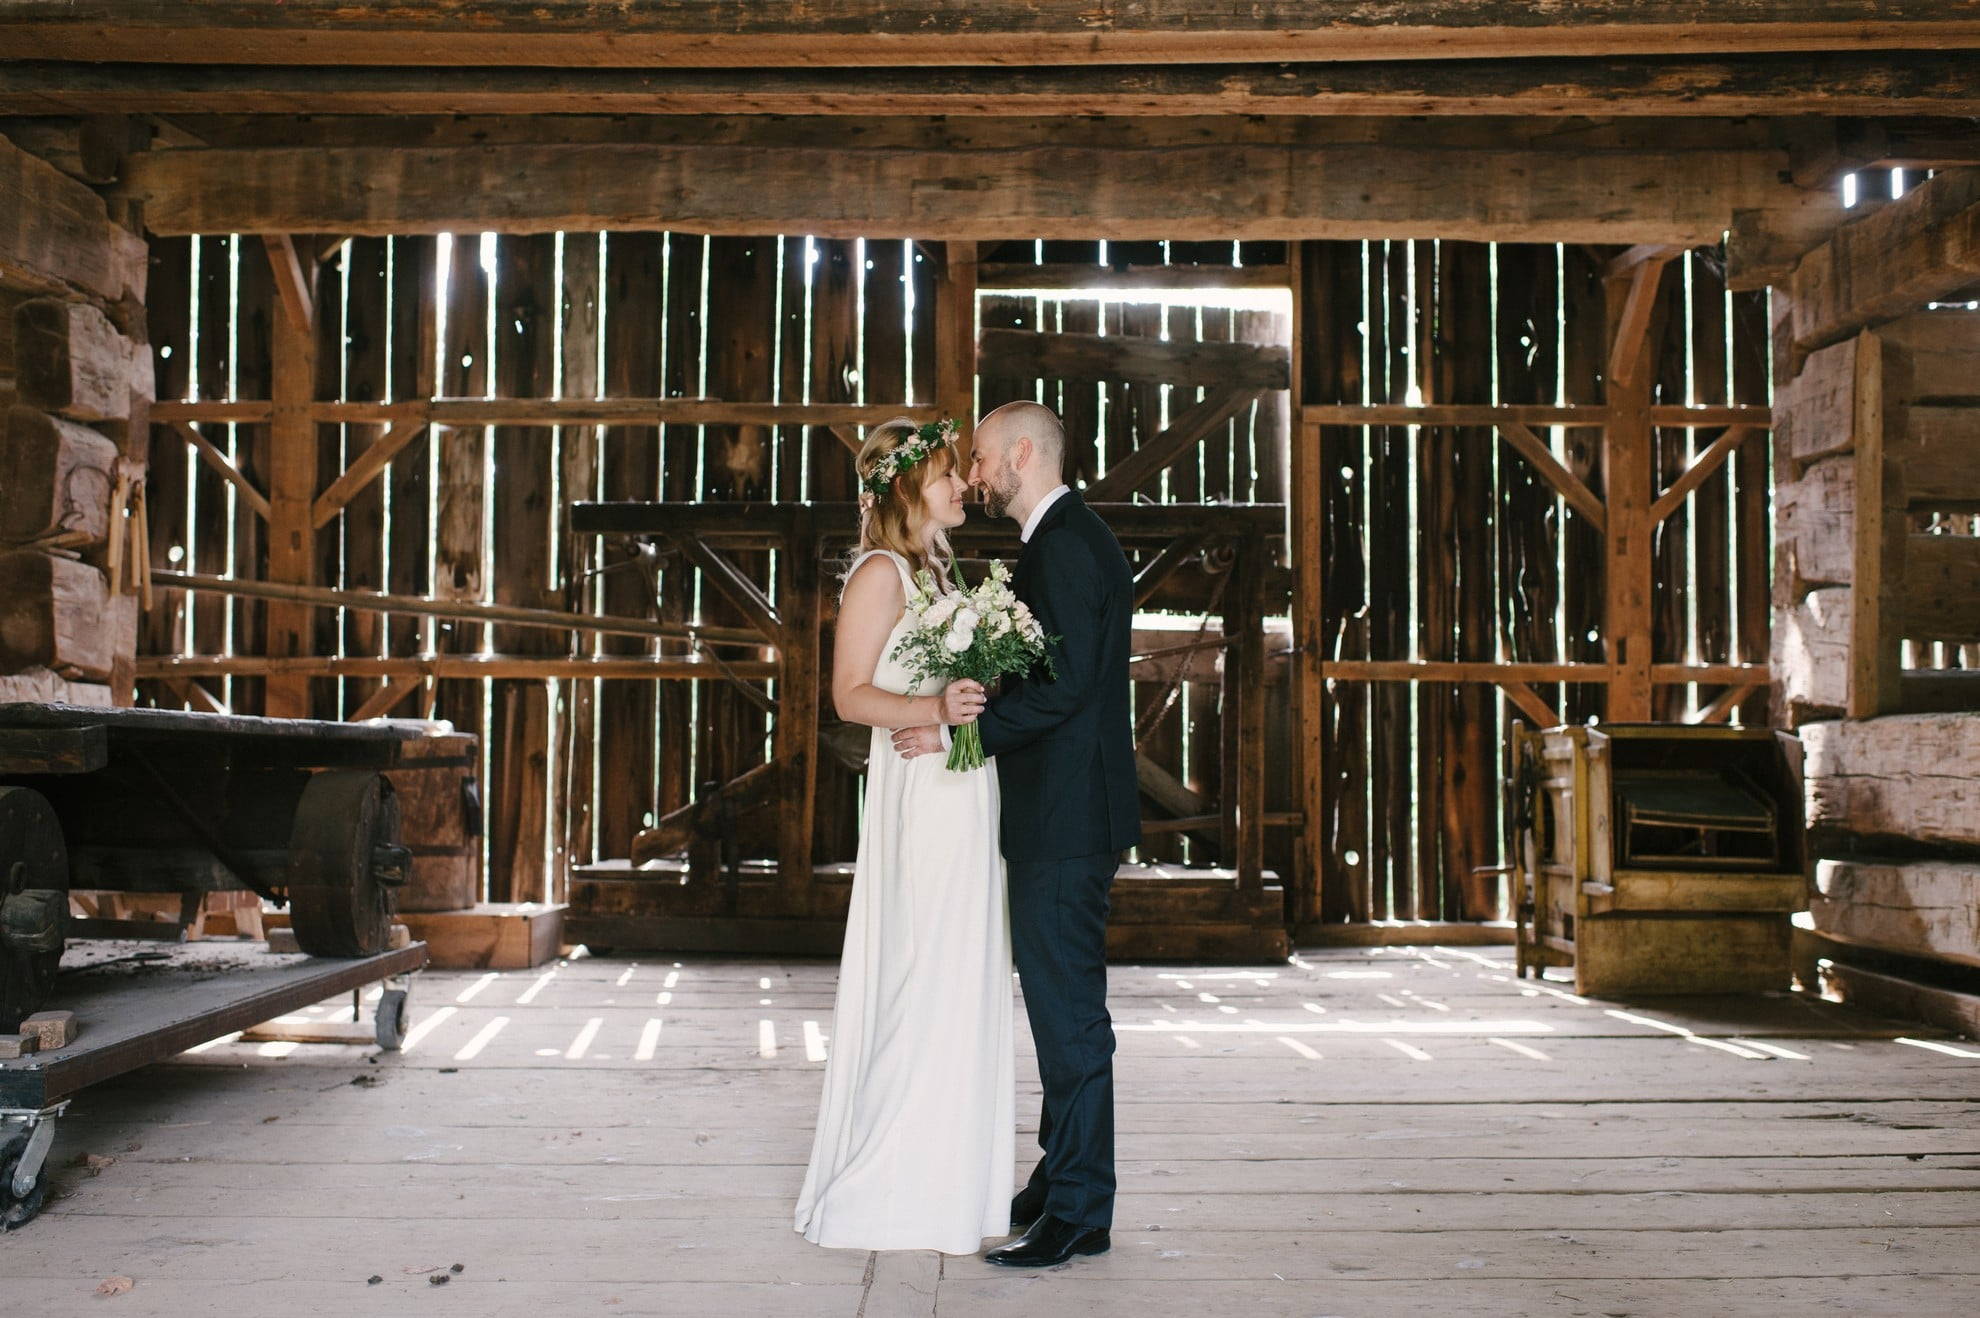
(1032, 631)
(955, 642)
(941, 610)
(999, 623)
(967, 618)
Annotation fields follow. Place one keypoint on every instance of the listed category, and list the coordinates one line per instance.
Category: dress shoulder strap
(900, 566)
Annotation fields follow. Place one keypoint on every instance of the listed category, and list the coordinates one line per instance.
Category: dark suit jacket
(1065, 746)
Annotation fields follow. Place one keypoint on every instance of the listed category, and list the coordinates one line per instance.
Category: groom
(1065, 765)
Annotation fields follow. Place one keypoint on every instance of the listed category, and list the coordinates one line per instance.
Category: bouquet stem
(966, 748)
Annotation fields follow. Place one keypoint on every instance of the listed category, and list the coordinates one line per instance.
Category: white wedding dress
(914, 1144)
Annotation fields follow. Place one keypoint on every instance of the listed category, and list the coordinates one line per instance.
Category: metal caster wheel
(394, 1014)
(16, 1209)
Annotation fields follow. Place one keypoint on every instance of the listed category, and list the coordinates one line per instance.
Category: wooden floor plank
(1674, 1156)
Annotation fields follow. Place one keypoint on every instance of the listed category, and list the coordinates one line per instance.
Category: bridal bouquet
(981, 634)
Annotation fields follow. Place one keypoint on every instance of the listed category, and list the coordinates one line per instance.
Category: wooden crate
(1627, 927)
(490, 936)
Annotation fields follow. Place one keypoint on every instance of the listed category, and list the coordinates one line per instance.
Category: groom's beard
(998, 494)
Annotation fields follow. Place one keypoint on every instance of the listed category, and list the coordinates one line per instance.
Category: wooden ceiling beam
(998, 132)
(1218, 191)
(1881, 83)
(771, 33)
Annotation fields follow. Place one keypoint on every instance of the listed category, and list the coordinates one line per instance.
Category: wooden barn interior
(1547, 442)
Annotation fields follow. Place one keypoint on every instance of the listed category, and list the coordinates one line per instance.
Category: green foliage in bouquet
(982, 634)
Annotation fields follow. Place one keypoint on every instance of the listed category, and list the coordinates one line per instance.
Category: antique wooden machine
(164, 801)
(1656, 858)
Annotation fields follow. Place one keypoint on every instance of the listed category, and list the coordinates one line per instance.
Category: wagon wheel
(345, 863)
(34, 902)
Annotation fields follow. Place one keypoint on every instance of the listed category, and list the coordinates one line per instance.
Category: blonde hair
(896, 518)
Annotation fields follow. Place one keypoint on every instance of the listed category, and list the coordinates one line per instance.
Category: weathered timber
(1626, 466)
(1901, 998)
(1939, 594)
(1926, 908)
(293, 446)
(1218, 191)
(1158, 452)
(762, 525)
(580, 312)
(69, 358)
(1939, 454)
(53, 612)
(1883, 83)
(966, 32)
(1029, 355)
(629, 462)
(1944, 344)
(1901, 785)
(549, 413)
(461, 610)
(1096, 277)
(523, 492)
(473, 667)
(458, 513)
(993, 133)
(1921, 247)
(56, 236)
(89, 148)
(1877, 539)
(1810, 661)
(1815, 527)
(55, 481)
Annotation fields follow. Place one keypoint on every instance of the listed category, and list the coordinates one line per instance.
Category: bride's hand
(962, 702)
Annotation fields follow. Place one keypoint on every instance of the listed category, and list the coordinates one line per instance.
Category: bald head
(1027, 420)
(1019, 454)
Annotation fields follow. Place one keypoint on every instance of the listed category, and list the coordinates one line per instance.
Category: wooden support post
(1307, 495)
(1627, 489)
(1244, 719)
(794, 743)
(955, 341)
(1878, 548)
(291, 472)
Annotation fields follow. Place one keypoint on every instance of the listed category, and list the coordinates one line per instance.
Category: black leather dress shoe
(1026, 1206)
(1049, 1241)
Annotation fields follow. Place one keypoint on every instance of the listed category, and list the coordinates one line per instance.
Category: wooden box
(491, 936)
(1629, 910)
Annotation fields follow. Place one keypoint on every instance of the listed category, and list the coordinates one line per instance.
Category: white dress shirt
(1038, 512)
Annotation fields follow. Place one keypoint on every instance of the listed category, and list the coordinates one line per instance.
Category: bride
(914, 1144)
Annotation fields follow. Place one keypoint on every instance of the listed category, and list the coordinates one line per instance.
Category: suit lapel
(1027, 559)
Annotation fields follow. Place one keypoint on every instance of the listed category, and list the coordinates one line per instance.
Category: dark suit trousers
(1059, 942)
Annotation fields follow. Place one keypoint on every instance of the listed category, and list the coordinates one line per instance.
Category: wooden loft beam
(1796, 138)
(1224, 191)
(1026, 354)
(953, 32)
(1908, 252)
(1880, 83)
(1101, 278)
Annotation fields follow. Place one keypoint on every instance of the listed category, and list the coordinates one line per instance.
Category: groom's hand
(910, 742)
(962, 701)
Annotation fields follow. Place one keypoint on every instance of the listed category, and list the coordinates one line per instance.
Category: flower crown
(927, 438)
